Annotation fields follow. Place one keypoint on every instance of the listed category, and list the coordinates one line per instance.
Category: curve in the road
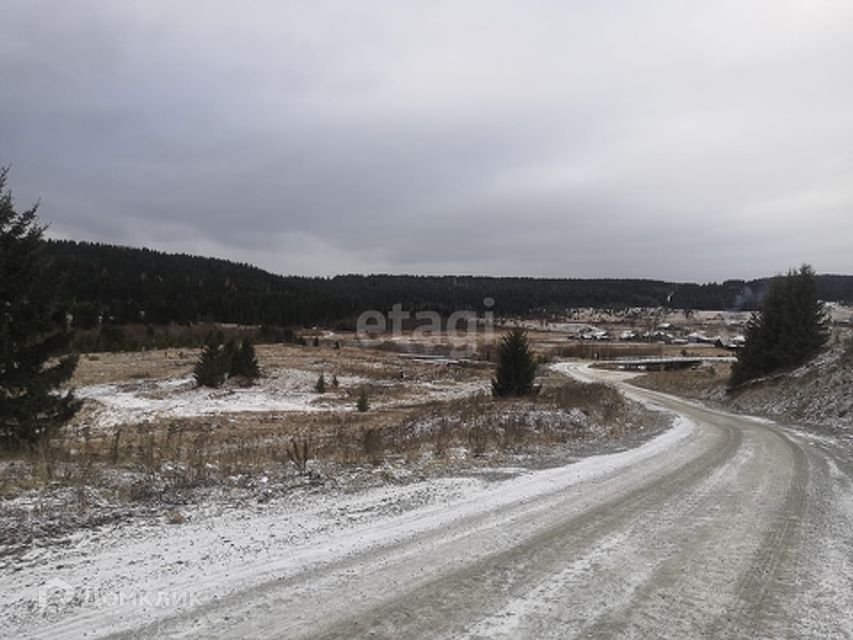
(736, 528)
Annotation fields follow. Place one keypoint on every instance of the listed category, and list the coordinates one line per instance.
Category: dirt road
(725, 526)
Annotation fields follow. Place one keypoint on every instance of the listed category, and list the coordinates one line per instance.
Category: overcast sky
(667, 139)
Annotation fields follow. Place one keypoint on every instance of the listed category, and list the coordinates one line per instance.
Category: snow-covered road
(724, 526)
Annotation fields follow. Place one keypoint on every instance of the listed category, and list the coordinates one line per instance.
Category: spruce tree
(363, 403)
(213, 364)
(244, 362)
(33, 332)
(320, 386)
(790, 328)
(229, 352)
(807, 329)
(516, 366)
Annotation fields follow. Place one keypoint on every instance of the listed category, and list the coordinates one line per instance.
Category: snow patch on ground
(285, 390)
(129, 403)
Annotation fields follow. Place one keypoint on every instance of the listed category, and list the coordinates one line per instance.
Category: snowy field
(283, 391)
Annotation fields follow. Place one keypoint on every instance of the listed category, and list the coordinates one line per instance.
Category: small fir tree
(244, 362)
(363, 403)
(213, 364)
(516, 366)
(320, 386)
(229, 352)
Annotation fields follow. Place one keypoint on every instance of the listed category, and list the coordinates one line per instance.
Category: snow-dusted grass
(160, 569)
(151, 444)
(146, 448)
(282, 391)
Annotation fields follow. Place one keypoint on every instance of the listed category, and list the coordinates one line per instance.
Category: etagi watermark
(57, 595)
(462, 328)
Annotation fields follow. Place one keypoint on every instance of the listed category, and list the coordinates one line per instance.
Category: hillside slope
(818, 393)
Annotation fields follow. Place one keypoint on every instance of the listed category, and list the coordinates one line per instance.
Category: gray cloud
(585, 139)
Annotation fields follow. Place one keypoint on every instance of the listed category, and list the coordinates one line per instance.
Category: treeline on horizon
(123, 285)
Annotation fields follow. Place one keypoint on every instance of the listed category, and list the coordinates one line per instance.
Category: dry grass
(702, 383)
(104, 368)
(847, 352)
(612, 350)
(607, 351)
(165, 459)
(561, 413)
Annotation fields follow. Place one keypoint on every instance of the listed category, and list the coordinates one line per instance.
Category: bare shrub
(514, 435)
(300, 451)
(442, 439)
(114, 448)
(373, 445)
(342, 446)
(595, 398)
(847, 354)
(198, 459)
(145, 447)
(44, 456)
(478, 439)
(86, 464)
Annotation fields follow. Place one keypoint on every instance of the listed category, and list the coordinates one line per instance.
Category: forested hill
(131, 285)
(128, 285)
